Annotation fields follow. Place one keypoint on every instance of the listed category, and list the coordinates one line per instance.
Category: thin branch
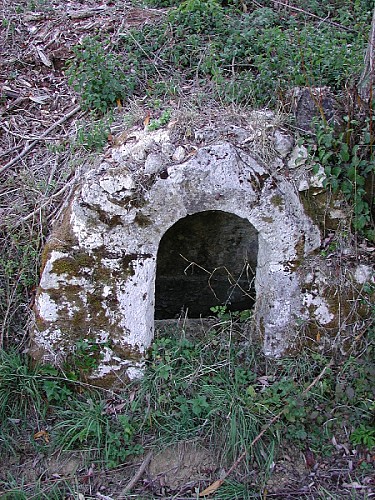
(137, 476)
(43, 136)
(310, 14)
(43, 205)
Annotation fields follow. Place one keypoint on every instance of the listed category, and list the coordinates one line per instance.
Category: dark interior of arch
(204, 260)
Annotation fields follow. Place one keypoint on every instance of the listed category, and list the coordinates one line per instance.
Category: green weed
(89, 425)
(258, 55)
(365, 435)
(348, 162)
(19, 266)
(21, 392)
(96, 74)
(92, 135)
(160, 122)
(83, 359)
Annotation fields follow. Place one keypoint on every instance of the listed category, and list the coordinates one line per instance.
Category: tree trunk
(367, 77)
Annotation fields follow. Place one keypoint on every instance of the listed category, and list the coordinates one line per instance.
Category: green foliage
(21, 392)
(88, 424)
(347, 160)
(160, 122)
(223, 313)
(163, 3)
(19, 266)
(93, 134)
(202, 389)
(195, 389)
(57, 389)
(259, 54)
(84, 358)
(364, 435)
(27, 388)
(194, 17)
(96, 74)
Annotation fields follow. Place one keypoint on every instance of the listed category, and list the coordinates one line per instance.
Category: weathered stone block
(238, 226)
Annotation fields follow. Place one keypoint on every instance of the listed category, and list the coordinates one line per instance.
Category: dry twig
(31, 146)
(137, 476)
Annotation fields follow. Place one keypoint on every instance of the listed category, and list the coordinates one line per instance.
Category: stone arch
(205, 259)
(100, 265)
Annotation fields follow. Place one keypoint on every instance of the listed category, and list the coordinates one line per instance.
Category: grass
(216, 390)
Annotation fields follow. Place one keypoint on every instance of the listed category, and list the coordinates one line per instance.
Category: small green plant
(347, 162)
(364, 435)
(160, 122)
(19, 265)
(57, 388)
(93, 134)
(88, 424)
(84, 358)
(223, 313)
(96, 75)
(21, 391)
(197, 16)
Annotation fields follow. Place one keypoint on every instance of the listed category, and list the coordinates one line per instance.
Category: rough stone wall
(99, 265)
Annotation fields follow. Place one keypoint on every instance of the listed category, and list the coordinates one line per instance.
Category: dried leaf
(146, 121)
(309, 458)
(212, 488)
(42, 434)
(45, 60)
(119, 103)
(354, 485)
(41, 99)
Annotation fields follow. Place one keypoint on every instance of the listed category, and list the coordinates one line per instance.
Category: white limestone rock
(298, 157)
(283, 143)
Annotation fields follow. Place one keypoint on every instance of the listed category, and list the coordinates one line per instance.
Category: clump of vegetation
(216, 47)
(218, 391)
(348, 161)
(95, 73)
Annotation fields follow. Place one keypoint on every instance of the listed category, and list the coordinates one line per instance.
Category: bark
(366, 81)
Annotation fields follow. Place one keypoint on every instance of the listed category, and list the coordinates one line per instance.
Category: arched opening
(204, 260)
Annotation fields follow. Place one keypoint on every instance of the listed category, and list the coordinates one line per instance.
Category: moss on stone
(142, 220)
(66, 265)
(95, 305)
(277, 201)
(269, 220)
(78, 320)
(108, 220)
(73, 265)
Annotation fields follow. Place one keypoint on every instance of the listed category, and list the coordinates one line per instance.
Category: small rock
(303, 185)
(116, 182)
(335, 213)
(298, 157)
(139, 154)
(283, 144)
(167, 149)
(363, 273)
(317, 179)
(154, 163)
(179, 154)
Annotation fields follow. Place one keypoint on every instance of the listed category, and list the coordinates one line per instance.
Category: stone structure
(205, 219)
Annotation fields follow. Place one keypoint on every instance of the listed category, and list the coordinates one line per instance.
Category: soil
(181, 471)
